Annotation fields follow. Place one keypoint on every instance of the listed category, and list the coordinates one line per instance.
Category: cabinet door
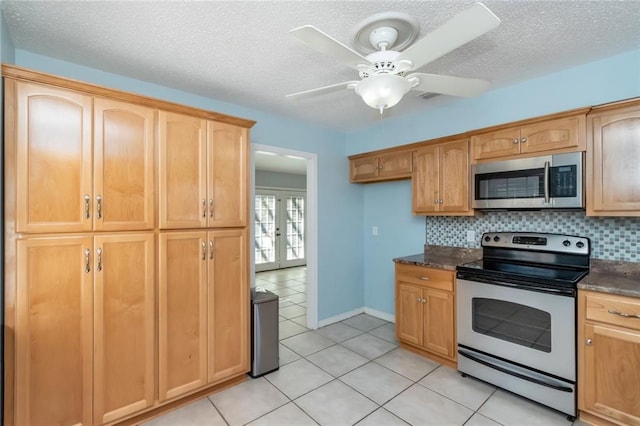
(54, 331)
(228, 304)
(409, 314)
(552, 135)
(612, 372)
(363, 169)
(228, 175)
(123, 166)
(124, 332)
(182, 171)
(438, 323)
(454, 176)
(53, 159)
(498, 144)
(425, 181)
(613, 155)
(395, 165)
(182, 302)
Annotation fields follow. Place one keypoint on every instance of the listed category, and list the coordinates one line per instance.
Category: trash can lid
(261, 295)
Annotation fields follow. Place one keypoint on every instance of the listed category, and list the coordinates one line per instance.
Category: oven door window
(512, 322)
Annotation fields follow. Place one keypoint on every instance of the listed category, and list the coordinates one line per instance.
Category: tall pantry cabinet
(96, 329)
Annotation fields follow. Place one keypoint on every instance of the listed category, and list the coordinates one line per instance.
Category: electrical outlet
(471, 236)
(374, 231)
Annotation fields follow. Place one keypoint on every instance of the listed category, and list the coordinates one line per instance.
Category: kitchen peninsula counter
(442, 257)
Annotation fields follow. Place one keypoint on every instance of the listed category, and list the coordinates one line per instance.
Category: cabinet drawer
(426, 277)
(608, 308)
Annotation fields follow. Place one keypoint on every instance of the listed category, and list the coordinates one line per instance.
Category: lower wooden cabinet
(425, 310)
(203, 309)
(85, 342)
(609, 357)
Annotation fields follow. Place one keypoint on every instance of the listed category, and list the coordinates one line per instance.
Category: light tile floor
(353, 372)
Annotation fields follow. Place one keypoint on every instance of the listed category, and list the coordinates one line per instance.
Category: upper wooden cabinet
(123, 166)
(380, 167)
(552, 135)
(613, 156)
(609, 357)
(203, 173)
(69, 179)
(440, 179)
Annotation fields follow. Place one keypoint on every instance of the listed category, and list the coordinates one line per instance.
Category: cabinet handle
(435, 201)
(424, 301)
(439, 201)
(589, 342)
(99, 252)
(380, 167)
(204, 208)
(516, 141)
(419, 299)
(423, 278)
(523, 140)
(211, 249)
(87, 265)
(86, 206)
(211, 207)
(204, 250)
(99, 207)
(623, 314)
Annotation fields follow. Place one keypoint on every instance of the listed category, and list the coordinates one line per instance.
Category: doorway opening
(284, 232)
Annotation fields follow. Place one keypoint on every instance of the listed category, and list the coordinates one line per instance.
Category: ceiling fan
(386, 39)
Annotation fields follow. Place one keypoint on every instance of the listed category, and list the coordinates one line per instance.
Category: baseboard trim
(341, 317)
(379, 314)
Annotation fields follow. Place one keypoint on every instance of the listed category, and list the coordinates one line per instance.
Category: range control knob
(496, 238)
(566, 243)
(579, 244)
(487, 238)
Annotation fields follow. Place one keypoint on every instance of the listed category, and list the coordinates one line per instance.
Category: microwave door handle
(547, 196)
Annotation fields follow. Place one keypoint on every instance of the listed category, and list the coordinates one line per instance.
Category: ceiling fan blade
(448, 85)
(328, 45)
(321, 90)
(461, 29)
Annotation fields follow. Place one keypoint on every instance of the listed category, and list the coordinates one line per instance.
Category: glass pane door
(279, 229)
(265, 230)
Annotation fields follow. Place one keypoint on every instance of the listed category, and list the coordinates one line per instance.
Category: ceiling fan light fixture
(383, 91)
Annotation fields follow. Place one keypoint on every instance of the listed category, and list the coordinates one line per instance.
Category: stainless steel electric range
(516, 314)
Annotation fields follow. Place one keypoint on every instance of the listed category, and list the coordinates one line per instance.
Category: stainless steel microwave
(547, 182)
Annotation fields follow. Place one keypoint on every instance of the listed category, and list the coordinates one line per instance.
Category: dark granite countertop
(614, 277)
(442, 257)
(606, 276)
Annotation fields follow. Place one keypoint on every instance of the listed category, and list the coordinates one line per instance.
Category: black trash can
(264, 332)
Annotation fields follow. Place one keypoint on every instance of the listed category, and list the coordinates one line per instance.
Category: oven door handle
(513, 373)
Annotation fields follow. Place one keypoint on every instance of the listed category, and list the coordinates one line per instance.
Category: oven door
(530, 328)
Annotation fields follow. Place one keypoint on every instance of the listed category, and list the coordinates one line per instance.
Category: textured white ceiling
(272, 162)
(241, 52)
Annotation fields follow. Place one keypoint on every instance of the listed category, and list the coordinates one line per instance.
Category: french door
(279, 229)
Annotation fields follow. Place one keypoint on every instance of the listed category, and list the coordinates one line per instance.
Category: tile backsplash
(612, 238)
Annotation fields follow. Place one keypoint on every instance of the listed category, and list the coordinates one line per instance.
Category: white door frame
(311, 225)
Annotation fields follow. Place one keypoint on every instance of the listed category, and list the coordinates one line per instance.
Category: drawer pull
(423, 278)
(623, 314)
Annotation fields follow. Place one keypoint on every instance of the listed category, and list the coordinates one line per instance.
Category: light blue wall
(266, 178)
(340, 244)
(611, 79)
